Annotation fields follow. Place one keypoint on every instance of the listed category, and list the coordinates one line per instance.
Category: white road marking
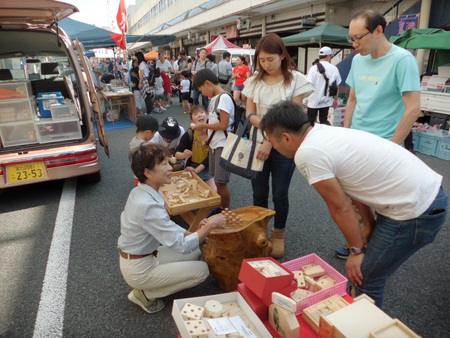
(50, 316)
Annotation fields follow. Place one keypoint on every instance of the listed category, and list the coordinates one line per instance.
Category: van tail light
(69, 159)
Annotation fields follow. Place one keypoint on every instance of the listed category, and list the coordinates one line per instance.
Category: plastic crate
(63, 111)
(15, 90)
(52, 131)
(17, 134)
(340, 288)
(416, 140)
(427, 144)
(45, 100)
(21, 110)
(443, 148)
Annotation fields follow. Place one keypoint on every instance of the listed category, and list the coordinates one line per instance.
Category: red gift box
(258, 307)
(263, 286)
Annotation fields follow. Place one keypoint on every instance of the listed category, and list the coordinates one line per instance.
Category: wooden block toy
(355, 320)
(311, 315)
(192, 312)
(323, 282)
(213, 309)
(284, 322)
(310, 281)
(196, 328)
(283, 301)
(363, 295)
(313, 270)
(394, 329)
(300, 277)
(299, 294)
(226, 307)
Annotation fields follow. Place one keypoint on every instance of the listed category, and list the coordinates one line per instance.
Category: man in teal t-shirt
(384, 96)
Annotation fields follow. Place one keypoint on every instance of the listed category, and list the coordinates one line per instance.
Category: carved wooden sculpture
(244, 237)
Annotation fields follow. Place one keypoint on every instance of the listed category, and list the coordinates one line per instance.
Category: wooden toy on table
(245, 237)
(282, 316)
(188, 192)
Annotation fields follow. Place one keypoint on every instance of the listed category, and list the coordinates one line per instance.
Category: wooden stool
(244, 237)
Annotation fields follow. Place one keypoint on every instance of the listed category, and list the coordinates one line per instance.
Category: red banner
(119, 39)
(122, 17)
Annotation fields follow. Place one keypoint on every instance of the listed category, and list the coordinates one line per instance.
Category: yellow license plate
(26, 172)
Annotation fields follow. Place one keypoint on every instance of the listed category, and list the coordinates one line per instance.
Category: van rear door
(96, 107)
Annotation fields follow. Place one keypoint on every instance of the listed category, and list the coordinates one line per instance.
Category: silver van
(48, 103)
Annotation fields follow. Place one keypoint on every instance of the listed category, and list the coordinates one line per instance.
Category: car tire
(92, 178)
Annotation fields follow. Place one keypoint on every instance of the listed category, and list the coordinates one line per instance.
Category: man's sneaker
(150, 306)
(342, 252)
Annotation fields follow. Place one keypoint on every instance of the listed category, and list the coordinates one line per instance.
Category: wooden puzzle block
(300, 278)
(313, 313)
(310, 281)
(299, 294)
(354, 320)
(196, 328)
(323, 282)
(284, 322)
(313, 270)
(213, 309)
(394, 329)
(192, 312)
(228, 306)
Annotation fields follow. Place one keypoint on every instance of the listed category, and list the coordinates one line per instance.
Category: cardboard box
(260, 309)
(222, 298)
(340, 288)
(438, 84)
(263, 286)
(444, 70)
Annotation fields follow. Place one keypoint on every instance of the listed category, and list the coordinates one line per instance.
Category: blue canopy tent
(95, 37)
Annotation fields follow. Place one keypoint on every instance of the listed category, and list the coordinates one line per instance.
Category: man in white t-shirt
(348, 165)
(320, 100)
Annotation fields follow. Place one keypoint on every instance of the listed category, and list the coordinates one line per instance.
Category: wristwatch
(357, 251)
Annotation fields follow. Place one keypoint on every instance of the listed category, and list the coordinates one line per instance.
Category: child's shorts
(185, 96)
(159, 96)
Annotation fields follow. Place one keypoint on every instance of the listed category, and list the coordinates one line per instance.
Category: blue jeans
(392, 242)
(282, 169)
(205, 100)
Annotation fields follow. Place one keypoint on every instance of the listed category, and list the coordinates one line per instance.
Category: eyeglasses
(356, 38)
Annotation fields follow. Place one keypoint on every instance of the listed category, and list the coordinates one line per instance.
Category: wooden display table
(192, 199)
(121, 96)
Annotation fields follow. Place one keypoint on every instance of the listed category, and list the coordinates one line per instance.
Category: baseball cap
(326, 51)
(146, 122)
(170, 128)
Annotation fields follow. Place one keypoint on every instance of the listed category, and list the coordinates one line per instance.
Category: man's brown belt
(131, 256)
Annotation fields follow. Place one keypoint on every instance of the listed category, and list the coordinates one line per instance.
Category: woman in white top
(146, 90)
(274, 81)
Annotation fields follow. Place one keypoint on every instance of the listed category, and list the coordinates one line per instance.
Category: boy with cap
(169, 136)
(320, 101)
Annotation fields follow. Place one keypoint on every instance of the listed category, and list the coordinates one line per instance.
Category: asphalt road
(95, 296)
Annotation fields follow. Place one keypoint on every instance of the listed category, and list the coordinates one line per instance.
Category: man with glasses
(384, 85)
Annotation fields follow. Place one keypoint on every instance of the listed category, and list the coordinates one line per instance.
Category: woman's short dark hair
(202, 75)
(146, 156)
(242, 57)
(373, 19)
